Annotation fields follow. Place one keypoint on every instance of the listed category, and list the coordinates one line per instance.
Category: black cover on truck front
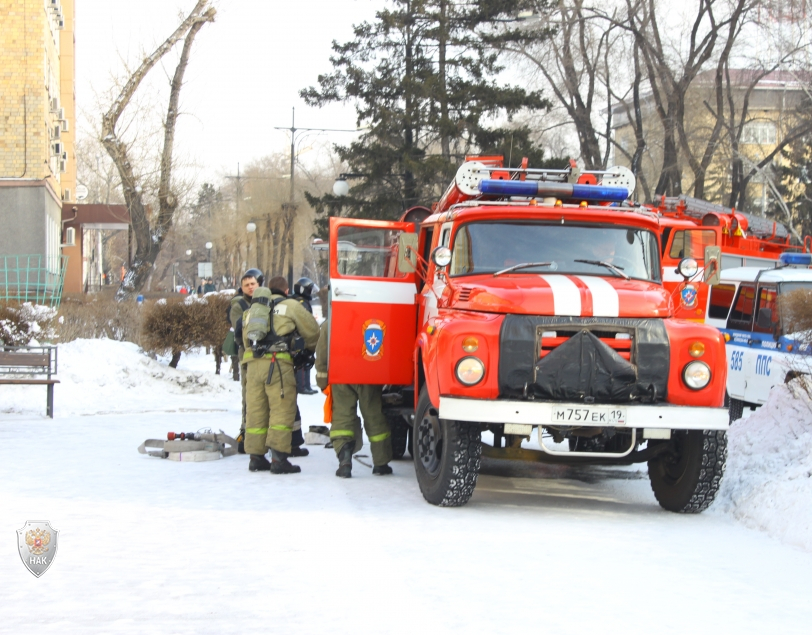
(583, 366)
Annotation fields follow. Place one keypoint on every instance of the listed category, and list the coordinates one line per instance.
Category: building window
(759, 133)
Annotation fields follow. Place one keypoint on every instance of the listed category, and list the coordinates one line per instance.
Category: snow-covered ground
(154, 546)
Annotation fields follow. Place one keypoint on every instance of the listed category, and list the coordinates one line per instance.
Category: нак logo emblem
(688, 296)
(374, 331)
(37, 542)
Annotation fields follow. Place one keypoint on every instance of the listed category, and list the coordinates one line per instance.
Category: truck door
(741, 360)
(373, 315)
(766, 367)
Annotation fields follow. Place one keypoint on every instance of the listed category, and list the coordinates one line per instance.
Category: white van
(744, 305)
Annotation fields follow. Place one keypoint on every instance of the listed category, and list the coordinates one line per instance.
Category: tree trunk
(149, 239)
(173, 363)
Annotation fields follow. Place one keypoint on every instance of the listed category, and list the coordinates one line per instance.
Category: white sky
(245, 73)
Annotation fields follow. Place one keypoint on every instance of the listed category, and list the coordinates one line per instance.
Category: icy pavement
(153, 546)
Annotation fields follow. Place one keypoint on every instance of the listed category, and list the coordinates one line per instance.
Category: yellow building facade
(772, 104)
(37, 126)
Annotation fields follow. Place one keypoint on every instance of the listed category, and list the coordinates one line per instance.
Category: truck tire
(400, 434)
(735, 410)
(686, 480)
(446, 456)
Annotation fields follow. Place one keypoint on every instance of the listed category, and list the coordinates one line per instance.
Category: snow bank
(768, 481)
(99, 376)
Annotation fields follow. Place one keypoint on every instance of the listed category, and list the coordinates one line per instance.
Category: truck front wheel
(686, 477)
(447, 456)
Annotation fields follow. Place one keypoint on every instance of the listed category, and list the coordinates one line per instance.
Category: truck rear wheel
(446, 456)
(686, 479)
(400, 434)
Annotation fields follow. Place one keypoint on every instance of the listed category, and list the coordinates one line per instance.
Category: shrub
(211, 310)
(170, 327)
(795, 309)
(175, 326)
(93, 317)
(26, 323)
(796, 313)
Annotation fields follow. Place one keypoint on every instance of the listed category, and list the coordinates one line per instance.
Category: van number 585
(736, 360)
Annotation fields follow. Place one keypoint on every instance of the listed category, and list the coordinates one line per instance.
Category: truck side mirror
(765, 318)
(713, 265)
(407, 252)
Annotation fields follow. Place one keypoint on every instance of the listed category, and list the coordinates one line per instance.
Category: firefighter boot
(382, 470)
(281, 465)
(345, 460)
(259, 463)
(297, 439)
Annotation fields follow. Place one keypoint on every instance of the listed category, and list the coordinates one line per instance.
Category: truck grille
(620, 342)
(597, 359)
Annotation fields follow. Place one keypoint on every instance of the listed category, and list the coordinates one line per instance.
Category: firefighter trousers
(346, 427)
(271, 407)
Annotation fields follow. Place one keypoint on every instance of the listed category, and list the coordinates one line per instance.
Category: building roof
(113, 215)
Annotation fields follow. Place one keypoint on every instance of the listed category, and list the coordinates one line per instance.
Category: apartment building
(37, 124)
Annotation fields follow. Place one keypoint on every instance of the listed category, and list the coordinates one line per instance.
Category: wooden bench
(17, 363)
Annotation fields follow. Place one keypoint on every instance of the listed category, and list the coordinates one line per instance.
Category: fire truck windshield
(489, 247)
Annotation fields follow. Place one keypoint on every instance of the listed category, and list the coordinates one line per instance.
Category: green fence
(28, 278)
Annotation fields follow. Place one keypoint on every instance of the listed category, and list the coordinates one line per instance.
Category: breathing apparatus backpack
(258, 325)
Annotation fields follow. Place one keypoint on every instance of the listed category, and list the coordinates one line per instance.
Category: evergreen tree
(422, 79)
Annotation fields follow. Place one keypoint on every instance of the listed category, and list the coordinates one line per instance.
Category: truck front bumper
(542, 413)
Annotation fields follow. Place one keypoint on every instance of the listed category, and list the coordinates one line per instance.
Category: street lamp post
(189, 258)
(290, 206)
(209, 245)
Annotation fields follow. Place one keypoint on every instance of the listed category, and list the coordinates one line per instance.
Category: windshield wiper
(523, 265)
(608, 265)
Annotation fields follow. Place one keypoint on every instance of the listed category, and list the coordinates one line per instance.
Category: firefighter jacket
(289, 317)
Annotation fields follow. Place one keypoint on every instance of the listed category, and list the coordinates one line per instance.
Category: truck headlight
(696, 375)
(470, 371)
(687, 267)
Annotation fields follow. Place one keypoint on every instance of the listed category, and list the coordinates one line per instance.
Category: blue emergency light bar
(790, 258)
(557, 190)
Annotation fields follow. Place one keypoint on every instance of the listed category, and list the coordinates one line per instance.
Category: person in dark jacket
(303, 292)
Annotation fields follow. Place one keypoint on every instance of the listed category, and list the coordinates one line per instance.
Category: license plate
(590, 415)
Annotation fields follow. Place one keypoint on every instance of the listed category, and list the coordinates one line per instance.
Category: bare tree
(670, 75)
(149, 236)
(571, 53)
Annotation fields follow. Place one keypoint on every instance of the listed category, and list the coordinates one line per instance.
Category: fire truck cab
(530, 303)
(718, 238)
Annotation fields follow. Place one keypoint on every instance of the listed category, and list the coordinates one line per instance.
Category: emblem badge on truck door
(688, 296)
(374, 331)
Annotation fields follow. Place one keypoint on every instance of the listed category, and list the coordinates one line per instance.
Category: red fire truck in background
(718, 238)
(530, 301)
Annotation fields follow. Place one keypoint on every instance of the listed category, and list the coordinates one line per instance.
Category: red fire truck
(718, 238)
(530, 301)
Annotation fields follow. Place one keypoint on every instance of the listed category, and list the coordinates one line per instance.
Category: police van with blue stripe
(746, 306)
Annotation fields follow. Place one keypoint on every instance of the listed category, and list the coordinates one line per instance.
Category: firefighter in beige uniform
(271, 383)
(345, 431)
